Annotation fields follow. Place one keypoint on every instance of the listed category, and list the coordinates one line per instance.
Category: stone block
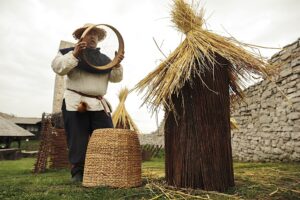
(296, 106)
(275, 57)
(266, 129)
(255, 158)
(297, 149)
(274, 143)
(280, 111)
(250, 126)
(280, 142)
(264, 111)
(264, 105)
(296, 69)
(285, 56)
(295, 94)
(272, 112)
(266, 94)
(291, 90)
(265, 119)
(296, 143)
(294, 77)
(291, 122)
(290, 47)
(253, 106)
(286, 129)
(267, 149)
(275, 119)
(294, 100)
(295, 136)
(296, 129)
(288, 147)
(267, 142)
(294, 115)
(285, 135)
(283, 121)
(277, 151)
(284, 82)
(295, 62)
(265, 135)
(286, 72)
(275, 128)
(295, 157)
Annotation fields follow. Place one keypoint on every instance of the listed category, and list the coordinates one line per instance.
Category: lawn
(30, 145)
(253, 181)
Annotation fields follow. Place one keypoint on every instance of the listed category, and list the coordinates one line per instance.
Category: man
(84, 109)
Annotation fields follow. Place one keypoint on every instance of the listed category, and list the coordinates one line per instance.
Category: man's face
(91, 39)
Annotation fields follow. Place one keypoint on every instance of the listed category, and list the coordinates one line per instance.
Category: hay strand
(233, 124)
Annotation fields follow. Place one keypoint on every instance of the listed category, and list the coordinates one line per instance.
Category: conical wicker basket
(113, 159)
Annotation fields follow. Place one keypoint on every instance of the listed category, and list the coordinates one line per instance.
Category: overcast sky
(31, 31)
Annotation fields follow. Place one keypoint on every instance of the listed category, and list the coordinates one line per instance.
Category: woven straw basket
(113, 159)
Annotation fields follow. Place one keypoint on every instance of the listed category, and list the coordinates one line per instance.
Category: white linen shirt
(84, 82)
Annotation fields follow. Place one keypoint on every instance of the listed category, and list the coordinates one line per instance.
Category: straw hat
(78, 32)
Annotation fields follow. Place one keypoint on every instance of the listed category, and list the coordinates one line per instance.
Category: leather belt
(103, 102)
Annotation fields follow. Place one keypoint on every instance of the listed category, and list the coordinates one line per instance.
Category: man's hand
(78, 48)
(120, 57)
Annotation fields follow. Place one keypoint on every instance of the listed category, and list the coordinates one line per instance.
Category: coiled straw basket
(113, 159)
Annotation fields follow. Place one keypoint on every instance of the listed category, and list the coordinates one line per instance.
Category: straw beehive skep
(121, 118)
(193, 85)
(200, 48)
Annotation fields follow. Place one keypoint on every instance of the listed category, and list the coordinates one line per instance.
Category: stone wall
(269, 119)
(155, 138)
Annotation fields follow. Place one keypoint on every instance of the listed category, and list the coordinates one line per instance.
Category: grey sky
(32, 29)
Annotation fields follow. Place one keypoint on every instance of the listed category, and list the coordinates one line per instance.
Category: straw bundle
(200, 48)
(121, 118)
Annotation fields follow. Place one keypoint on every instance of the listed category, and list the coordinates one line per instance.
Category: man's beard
(93, 56)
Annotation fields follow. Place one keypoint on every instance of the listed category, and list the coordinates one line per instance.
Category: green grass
(259, 180)
(253, 181)
(31, 145)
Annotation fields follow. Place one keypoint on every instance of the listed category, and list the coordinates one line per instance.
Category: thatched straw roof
(197, 54)
(121, 118)
(8, 128)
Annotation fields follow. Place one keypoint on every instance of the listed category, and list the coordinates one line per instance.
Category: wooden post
(198, 141)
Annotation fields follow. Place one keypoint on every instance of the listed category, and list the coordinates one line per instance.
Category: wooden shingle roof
(8, 128)
(25, 120)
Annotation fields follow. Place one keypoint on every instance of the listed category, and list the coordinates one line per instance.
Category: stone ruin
(269, 119)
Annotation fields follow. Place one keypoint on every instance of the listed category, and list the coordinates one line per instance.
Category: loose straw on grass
(173, 193)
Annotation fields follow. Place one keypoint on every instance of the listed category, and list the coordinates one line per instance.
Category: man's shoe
(77, 178)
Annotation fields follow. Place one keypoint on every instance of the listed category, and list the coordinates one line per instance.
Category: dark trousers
(79, 127)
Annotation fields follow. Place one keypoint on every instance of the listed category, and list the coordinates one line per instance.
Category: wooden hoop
(120, 52)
